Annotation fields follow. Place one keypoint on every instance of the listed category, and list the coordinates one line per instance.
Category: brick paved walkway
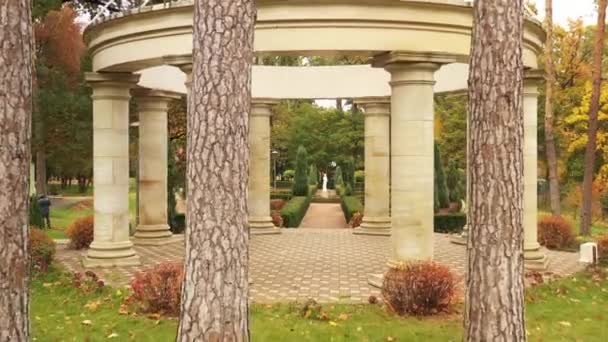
(324, 215)
(330, 265)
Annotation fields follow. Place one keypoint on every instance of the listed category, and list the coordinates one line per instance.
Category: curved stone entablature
(139, 38)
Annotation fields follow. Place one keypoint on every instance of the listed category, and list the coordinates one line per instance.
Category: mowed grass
(63, 217)
(572, 309)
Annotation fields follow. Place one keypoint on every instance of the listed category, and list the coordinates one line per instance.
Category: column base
(535, 260)
(374, 226)
(111, 254)
(152, 235)
(262, 226)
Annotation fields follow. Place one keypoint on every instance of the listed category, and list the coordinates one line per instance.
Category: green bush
(442, 188)
(348, 172)
(313, 175)
(178, 223)
(359, 176)
(451, 223)
(36, 219)
(284, 195)
(283, 185)
(289, 174)
(300, 185)
(455, 183)
(293, 212)
(338, 180)
(351, 205)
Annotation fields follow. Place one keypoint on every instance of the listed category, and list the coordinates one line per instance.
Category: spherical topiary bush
(419, 288)
(42, 250)
(555, 232)
(80, 232)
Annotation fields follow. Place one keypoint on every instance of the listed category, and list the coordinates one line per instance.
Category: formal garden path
(329, 265)
(324, 215)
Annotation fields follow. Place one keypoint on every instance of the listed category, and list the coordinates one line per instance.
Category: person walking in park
(44, 203)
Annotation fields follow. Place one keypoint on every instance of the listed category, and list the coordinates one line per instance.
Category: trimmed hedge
(451, 223)
(351, 205)
(283, 184)
(293, 212)
(178, 224)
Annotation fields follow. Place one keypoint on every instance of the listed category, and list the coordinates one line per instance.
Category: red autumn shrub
(419, 288)
(277, 204)
(277, 219)
(602, 248)
(555, 232)
(42, 250)
(81, 232)
(356, 219)
(158, 290)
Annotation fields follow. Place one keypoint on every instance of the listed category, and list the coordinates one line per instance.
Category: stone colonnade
(399, 139)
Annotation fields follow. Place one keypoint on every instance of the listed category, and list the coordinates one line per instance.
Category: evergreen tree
(440, 183)
(35, 214)
(454, 183)
(300, 184)
(313, 177)
(338, 180)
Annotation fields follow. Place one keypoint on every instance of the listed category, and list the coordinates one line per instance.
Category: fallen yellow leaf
(565, 323)
(333, 324)
(113, 335)
(87, 322)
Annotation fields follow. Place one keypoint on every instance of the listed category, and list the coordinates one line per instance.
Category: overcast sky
(564, 9)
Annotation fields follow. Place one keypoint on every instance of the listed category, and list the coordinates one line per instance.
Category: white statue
(324, 181)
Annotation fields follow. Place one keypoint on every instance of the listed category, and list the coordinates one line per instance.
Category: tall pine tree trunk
(495, 285)
(215, 292)
(586, 213)
(15, 134)
(554, 196)
(40, 170)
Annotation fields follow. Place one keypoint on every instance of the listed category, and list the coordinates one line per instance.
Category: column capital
(262, 106)
(153, 99)
(406, 58)
(183, 62)
(532, 80)
(111, 85)
(375, 105)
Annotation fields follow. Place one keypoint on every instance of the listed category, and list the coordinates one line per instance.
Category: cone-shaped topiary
(455, 183)
(440, 184)
(300, 185)
(338, 180)
(313, 177)
(348, 173)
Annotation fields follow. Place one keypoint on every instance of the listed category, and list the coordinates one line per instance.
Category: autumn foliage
(602, 248)
(555, 232)
(59, 40)
(41, 249)
(158, 290)
(419, 288)
(80, 232)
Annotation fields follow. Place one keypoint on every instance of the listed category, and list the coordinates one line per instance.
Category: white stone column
(412, 157)
(376, 218)
(153, 140)
(111, 245)
(260, 221)
(534, 258)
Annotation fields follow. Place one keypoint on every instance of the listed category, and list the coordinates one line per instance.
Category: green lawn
(69, 191)
(62, 217)
(572, 309)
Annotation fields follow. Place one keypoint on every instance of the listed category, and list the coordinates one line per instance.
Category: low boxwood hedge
(284, 195)
(282, 184)
(293, 212)
(351, 205)
(450, 223)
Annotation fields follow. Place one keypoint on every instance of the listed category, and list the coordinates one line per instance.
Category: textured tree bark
(215, 292)
(16, 39)
(586, 214)
(554, 196)
(495, 287)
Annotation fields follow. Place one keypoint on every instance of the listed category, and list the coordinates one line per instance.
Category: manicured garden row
(293, 212)
(450, 223)
(351, 205)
